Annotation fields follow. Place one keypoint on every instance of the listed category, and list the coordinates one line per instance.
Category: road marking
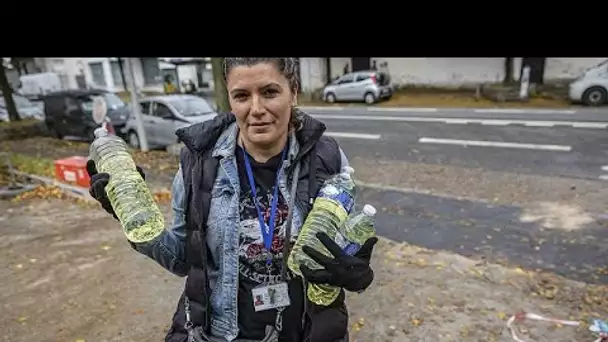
(604, 177)
(321, 108)
(523, 111)
(494, 144)
(353, 135)
(400, 109)
(487, 122)
(605, 168)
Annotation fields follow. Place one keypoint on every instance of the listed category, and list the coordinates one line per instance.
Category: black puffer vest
(319, 158)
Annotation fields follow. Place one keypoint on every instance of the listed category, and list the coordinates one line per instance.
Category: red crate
(72, 170)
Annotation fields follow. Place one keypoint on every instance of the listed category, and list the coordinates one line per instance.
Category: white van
(592, 87)
(33, 85)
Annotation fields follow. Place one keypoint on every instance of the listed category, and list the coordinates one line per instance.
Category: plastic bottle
(330, 210)
(134, 205)
(358, 228)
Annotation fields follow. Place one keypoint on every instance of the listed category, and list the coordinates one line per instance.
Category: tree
(7, 92)
(20, 64)
(508, 70)
(221, 94)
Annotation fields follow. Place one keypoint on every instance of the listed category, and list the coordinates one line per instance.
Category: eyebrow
(272, 84)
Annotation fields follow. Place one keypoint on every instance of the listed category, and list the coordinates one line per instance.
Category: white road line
(322, 108)
(494, 144)
(496, 122)
(522, 111)
(604, 177)
(353, 135)
(605, 168)
(400, 109)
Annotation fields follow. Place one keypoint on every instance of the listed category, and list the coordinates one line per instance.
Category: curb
(70, 190)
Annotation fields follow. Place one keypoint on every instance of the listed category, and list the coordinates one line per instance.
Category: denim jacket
(222, 237)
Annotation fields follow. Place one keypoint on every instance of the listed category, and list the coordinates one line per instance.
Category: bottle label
(352, 248)
(344, 198)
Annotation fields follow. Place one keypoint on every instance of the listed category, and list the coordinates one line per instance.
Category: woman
(232, 265)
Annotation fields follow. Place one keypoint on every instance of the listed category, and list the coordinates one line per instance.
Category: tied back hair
(287, 66)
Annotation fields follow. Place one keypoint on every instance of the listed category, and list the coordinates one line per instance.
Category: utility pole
(135, 109)
(221, 94)
(7, 93)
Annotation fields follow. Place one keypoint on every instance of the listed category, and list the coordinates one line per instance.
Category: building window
(114, 65)
(151, 71)
(97, 74)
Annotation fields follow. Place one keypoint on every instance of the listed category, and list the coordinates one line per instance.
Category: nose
(257, 106)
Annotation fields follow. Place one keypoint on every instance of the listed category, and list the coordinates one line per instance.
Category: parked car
(163, 115)
(69, 113)
(367, 86)
(592, 87)
(25, 108)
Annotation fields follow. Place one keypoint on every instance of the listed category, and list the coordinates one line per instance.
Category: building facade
(105, 72)
(437, 72)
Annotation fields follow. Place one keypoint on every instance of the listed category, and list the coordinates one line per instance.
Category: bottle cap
(100, 132)
(369, 210)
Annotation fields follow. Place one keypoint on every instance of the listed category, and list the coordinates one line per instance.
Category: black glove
(352, 273)
(98, 182)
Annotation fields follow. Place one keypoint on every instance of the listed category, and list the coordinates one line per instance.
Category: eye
(239, 96)
(270, 92)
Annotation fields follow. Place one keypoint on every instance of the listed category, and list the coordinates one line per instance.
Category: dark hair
(287, 66)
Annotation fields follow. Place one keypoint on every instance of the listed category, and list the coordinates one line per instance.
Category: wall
(337, 66)
(444, 72)
(568, 68)
(312, 73)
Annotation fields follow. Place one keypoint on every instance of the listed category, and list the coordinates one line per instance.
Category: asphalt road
(536, 142)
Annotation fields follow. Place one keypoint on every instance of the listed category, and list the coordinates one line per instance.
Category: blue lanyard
(267, 229)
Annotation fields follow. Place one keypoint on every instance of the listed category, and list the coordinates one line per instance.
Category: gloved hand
(352, 273)
(98, 182)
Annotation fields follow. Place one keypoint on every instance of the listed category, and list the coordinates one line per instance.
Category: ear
(294, 98)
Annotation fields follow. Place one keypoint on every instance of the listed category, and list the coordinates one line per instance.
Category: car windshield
(20, 101)
(112, 102)
(191, 106)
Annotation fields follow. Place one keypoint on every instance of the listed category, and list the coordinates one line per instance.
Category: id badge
(266, 297)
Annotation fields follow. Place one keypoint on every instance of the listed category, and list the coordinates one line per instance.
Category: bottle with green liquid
(333, 204)
(133, 203)
(358, 228)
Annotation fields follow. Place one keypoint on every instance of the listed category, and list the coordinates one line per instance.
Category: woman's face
(262, 101)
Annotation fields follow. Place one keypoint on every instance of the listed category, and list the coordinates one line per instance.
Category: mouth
(260, 124)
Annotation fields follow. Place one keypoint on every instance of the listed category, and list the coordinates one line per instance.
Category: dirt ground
(68, 274)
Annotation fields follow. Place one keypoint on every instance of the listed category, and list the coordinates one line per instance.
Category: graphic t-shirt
(253, 269)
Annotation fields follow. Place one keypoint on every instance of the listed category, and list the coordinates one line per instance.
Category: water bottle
(330, 210)
(358, 228)
(133, 203)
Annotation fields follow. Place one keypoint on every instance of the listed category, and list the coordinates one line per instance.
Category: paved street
(570, 145)
(563, 143)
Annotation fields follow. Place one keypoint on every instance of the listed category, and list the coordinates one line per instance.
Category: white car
(592, 87)
(25, 108)
(163, 115)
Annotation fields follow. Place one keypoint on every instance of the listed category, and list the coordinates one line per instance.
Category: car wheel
(54, 132)
(369, 98)
(595, 96)
(133, 139)
(330, 97)
(90, 135)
